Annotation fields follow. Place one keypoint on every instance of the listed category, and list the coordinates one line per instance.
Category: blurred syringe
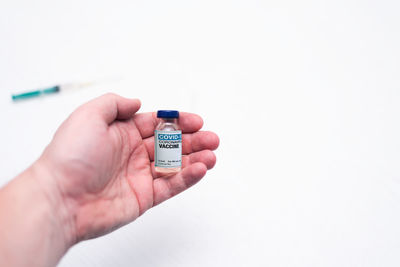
(58, 88)
(48, 91)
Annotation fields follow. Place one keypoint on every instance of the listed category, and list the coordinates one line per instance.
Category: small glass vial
(168, 142)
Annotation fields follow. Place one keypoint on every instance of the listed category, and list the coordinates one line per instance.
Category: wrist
(52, 196)
(34, 220)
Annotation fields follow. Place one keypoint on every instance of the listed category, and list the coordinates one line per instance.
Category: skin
(96, 175)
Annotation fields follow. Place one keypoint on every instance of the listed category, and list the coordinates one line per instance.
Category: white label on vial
(168, 149)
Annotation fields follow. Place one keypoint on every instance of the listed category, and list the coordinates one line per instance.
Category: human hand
(100, 164)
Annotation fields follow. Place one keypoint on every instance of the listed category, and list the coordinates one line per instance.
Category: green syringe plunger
(36, 93)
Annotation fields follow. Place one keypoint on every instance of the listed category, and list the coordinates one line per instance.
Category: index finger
(147, 123)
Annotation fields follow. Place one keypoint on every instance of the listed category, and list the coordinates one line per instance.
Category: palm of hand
(106, 174)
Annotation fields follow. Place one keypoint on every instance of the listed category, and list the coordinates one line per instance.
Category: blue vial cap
(167, 114)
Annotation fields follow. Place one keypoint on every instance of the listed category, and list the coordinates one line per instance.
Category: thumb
(111, 107)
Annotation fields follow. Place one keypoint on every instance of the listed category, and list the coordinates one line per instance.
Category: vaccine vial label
(168, 149)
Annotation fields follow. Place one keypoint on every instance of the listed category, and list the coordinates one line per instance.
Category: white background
(303, 94)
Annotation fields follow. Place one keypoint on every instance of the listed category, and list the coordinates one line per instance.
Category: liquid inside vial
(168, 142)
